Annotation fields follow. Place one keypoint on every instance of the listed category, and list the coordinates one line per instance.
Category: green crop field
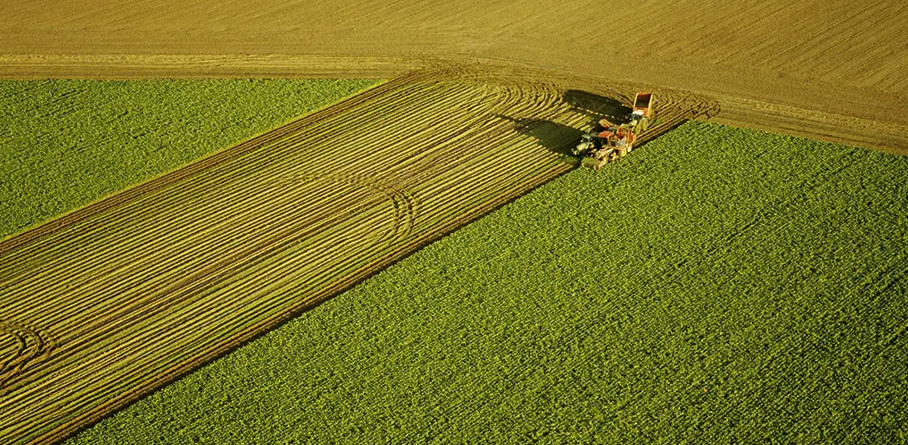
(65, 143)
(718, 286)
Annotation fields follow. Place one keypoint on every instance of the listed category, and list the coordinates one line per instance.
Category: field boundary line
(193, 168)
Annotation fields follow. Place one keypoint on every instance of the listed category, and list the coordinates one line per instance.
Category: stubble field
(718, 286)
(735, 289)
(108, 302)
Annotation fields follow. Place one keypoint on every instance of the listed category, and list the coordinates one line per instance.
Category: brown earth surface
(104, 304)
(832, 70)
(107, 303)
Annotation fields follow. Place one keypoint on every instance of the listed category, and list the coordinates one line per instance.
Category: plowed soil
(830, 70)
(107, 303)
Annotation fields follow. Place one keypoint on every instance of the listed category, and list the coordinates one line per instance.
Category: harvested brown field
(830, 70)
(107, 303)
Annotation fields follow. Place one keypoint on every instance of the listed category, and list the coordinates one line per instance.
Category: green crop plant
(718, 285)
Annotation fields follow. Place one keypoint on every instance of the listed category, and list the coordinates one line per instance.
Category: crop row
(139, 288)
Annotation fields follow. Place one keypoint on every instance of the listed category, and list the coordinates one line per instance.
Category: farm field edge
(701, 283)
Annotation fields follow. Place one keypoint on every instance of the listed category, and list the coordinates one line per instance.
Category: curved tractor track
(103, 305)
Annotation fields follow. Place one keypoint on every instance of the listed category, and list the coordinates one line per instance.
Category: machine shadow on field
(595, 106)
(556, 137)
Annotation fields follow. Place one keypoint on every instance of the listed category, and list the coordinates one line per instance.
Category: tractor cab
(619, 139)
(605, 146)
(612, 141)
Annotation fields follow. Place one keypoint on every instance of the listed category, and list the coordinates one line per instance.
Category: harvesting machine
(609, 141)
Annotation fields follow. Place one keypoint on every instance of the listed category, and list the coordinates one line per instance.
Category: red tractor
(610, 141)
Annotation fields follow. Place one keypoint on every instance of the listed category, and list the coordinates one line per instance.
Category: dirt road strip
(853, 116)
(131, 67)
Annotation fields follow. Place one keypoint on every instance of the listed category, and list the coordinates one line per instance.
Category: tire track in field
(404, 203)
(26, 346)
(143, 286)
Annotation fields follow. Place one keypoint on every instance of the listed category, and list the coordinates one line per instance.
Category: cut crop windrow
(143, 286)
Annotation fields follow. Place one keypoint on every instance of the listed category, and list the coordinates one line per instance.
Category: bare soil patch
(825, 61)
